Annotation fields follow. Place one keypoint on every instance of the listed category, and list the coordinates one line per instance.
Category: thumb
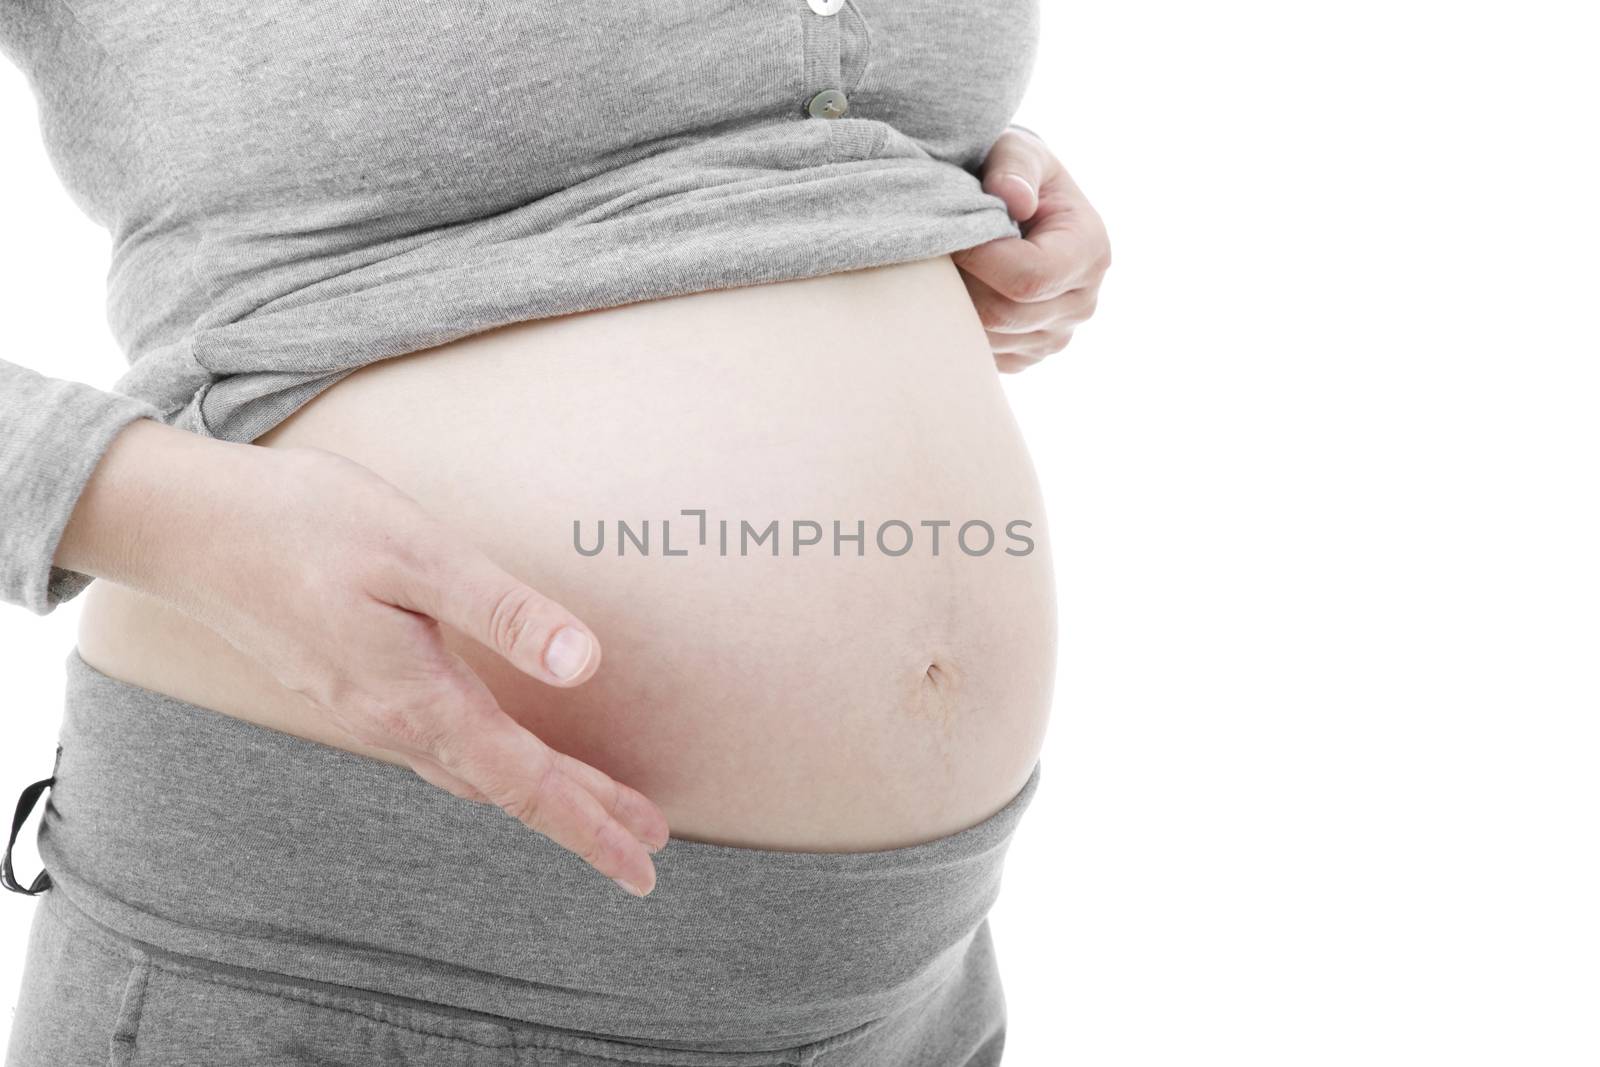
(535, 634)
(1015, 170)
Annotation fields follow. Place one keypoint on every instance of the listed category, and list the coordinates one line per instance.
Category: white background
(1321, 783)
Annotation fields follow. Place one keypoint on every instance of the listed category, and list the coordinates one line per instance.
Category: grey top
(294, 191)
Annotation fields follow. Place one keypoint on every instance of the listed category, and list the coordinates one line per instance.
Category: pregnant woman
(562, 451)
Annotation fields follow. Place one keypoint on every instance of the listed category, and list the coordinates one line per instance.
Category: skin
(337, 583)
(1032, 291)
(360, 627)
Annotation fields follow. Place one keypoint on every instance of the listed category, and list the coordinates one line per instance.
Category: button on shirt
(828, 104)
(296, 190)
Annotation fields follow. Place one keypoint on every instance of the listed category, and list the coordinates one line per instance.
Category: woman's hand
(338, 583)
(1032, 291)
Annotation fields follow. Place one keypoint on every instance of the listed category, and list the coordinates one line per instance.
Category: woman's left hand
(1032, 291)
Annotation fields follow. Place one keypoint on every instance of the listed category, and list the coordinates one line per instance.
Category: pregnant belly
(799, 518)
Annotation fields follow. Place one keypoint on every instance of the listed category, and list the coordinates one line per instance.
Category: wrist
(152, 487)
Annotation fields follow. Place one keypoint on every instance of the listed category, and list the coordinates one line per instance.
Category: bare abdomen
(840, 694)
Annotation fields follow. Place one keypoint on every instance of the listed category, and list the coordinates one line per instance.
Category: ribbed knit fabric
(226, 894)
(294, 191)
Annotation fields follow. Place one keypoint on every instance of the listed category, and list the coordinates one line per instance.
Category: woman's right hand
(338, 583)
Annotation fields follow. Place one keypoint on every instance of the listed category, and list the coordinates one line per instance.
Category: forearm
(154, 488)
(52, 434)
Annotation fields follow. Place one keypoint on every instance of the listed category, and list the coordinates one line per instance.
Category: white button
(825, 7)
(828, 104)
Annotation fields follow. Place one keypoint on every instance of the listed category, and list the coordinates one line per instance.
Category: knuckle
(1030, 286)
(371, 722)
(1012, 317)
(451, 737)
(592, 850)
(608, 846)
(530, 804)
(527, 808)
(423, 730)
(1102, 258)
(408, 724)
(459, 711)
(514, 618)
(391, 724)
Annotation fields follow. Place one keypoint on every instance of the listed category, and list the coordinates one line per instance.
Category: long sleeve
(52, 435)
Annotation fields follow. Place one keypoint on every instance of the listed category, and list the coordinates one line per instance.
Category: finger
(472, 593)
(1064, 248)
(1000, 314)
(625, 804)
(1063, 251)
(433, 772)
(1008, 363)
(628, 806)
(465, 696)
(525, 778)
(1034, 346)
(1015, 170)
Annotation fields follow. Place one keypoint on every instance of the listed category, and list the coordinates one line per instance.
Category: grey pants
(223, 894)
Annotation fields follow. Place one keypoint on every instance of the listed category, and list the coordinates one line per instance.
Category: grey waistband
(207, 835)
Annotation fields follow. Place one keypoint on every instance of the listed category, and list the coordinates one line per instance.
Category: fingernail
(629, 886)
(568, 653)
(1026, 184)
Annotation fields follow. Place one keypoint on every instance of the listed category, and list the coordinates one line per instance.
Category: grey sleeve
(52, 435)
